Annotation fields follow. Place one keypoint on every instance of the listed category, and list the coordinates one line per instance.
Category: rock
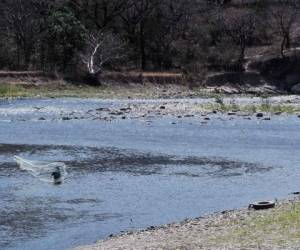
(207, 119)
(292, 78)
(267, 119)
(65, 118)
(259, 115)
(162, 107)
(42, 119)
(125, 109)
(116, 113)
(243, 114)
(102, 109)
(263, 89)
(231, 113)
(296, 89)
(227, 90)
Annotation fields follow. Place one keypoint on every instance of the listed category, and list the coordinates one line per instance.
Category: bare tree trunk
(91, 63)
(42, 56)
(142, 48)
(282, 47)
(18, 57)
(242, 57)
(27, 56)
(96, 9)
(287, 41)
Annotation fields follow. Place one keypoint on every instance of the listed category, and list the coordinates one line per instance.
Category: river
(128, 174)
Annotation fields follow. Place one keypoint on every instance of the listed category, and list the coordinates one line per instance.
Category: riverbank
(58, 89)
(277, 228)
(169, 97)
(153, 87)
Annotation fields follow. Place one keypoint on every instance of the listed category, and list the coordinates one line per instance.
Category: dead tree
(102, 49)
(20, 21)
(284, 17)
(239, 25)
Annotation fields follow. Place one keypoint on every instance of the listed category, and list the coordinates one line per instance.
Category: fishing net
(42, 170)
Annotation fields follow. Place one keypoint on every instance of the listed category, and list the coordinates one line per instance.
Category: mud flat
(277, 228)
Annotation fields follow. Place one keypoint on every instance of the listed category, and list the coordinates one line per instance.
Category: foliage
(65, 35)
(188, 35)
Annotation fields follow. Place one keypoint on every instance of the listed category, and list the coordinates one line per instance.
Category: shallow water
(133, 173)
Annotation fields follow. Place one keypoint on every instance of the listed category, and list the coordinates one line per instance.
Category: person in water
(57, 176)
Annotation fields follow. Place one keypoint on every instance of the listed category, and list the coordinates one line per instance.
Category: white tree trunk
(91, 64)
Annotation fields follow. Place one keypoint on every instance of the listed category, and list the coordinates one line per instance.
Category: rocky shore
(277, 228)
(203, 109)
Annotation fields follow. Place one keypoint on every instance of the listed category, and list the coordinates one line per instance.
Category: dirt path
(277, 228)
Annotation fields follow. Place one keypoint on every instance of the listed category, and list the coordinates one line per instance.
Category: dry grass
(277, 228)
(142, 77)
(109, 91)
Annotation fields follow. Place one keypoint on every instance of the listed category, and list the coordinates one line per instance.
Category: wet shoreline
(229, 229)
(70, 109)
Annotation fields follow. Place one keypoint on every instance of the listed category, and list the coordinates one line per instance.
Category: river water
(128, 174)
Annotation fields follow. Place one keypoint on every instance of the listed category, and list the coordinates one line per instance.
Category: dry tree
(101, 49)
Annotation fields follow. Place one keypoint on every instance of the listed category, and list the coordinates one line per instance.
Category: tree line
(93, 35)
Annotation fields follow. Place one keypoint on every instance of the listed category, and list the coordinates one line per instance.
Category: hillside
(239, 45)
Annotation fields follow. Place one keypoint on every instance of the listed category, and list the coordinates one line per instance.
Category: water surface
(133, 173)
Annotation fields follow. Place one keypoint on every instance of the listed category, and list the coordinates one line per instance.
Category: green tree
(65, 36)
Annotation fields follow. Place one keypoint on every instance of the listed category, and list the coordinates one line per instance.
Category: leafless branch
(101, 49)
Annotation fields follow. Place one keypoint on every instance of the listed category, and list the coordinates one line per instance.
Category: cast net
(42, 170)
